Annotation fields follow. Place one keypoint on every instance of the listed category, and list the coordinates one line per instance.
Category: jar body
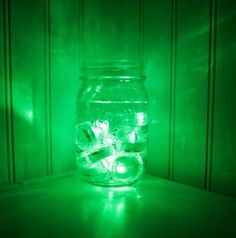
(111, 130)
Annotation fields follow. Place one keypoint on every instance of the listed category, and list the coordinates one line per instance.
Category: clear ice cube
(122, 133)
(135, 118)
(96, 162)
(101, 153)
(88, 168)
(101, 131)
(85, 166)
(143, 155)
(135, 147)
(85, 137)
(141, 118)
(139, 133)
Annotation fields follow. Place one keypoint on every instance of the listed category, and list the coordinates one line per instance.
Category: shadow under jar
(112, 124)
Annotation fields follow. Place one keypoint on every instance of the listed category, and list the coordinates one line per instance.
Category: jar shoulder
(114, 92)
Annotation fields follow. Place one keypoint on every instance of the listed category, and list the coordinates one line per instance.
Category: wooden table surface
(64, 206)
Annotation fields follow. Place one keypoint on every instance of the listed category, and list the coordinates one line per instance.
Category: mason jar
(112, 124)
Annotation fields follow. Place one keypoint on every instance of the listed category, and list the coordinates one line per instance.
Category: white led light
(132, 136)
(140, 118)
(29, 115)
(121, 169)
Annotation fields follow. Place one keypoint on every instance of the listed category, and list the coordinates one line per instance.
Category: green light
(29, 114)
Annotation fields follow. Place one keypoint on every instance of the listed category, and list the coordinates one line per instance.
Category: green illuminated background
(188, 48)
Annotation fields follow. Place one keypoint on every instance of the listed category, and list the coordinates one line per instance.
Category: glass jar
(112, 124)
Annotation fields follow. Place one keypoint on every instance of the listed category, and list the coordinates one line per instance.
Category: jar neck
(115, 71)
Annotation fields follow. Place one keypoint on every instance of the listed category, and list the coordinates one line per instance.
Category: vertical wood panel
(157, 52)
(111, 30)
(64, 42)
(191, 91)
(27, 38)
(224, 141)
(3, 125)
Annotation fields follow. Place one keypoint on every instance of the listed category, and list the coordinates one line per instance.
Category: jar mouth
(113, 70)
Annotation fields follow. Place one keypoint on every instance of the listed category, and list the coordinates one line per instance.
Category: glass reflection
(107, 210)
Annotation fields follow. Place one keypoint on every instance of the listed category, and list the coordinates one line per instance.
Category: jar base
(113, 183)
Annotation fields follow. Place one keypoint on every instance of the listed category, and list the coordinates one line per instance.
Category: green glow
(30, 116)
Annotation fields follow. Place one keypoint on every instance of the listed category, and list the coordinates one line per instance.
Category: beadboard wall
(189, 52)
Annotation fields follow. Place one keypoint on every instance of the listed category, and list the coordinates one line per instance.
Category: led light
(30, 115)
(140, 117)
(132, 136)
(121, 169)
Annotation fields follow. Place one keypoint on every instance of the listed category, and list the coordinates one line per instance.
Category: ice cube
(100, 129)
(127, 167)
(135, 118)
(122, 133)
(117, 144)
(135, 147)
(139, 133)
(87, 168)
(141, 118)
(84, 165)
(96, 162)
(85, 137)
(101, 153)
(143, 155)
(108, 162)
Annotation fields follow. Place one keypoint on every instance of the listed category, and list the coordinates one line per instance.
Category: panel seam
(81, 30)
(172, 98)
(8, 91)
(141, 32)
(211, 94)
(47, 59)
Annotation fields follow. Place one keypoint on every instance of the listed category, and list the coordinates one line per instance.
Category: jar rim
(112, 70)
(113, 64)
